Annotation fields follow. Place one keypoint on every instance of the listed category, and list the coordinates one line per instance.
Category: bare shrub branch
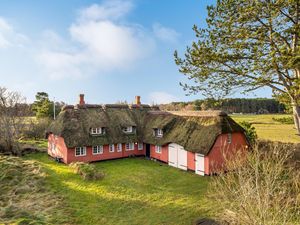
(260, 188)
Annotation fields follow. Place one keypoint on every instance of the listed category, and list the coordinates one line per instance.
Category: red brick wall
(163, 156)
(214, 161)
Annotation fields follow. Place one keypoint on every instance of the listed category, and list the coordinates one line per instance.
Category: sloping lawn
(133, 191)
(268, 129)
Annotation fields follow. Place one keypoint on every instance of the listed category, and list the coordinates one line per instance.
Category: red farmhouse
(194, 141)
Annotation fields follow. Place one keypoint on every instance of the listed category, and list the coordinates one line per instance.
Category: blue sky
(109, 50)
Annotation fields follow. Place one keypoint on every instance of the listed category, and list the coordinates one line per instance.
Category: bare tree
(12, 119)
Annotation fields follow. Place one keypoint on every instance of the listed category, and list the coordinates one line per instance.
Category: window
(97, 150)
(97, 130)
(80, 151)
(119, 147)
(111, 148)
(158, 149)
(130, 146)
(229, 138)
(158, 132)
(128, 129)
(140, 146)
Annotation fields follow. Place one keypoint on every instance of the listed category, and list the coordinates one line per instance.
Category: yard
(269, 129)
(133, 191)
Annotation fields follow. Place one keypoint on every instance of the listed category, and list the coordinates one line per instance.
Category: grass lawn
(268, 129)
(133, 191)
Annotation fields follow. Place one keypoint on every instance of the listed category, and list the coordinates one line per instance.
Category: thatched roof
(195, 131)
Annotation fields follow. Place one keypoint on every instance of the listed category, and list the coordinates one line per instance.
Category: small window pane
(158, 149)
(140, 146)
(111, 148)
(119, 147)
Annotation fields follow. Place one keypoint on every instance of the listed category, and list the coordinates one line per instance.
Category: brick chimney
(138, 100)
(81, 99)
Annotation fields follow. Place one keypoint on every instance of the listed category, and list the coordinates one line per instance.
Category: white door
(173, 155)
(182, 158)
(199, 164)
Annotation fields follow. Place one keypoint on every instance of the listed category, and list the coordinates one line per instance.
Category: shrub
(36, 129)
(284, 120)
(87, 171)
(250, 132)
(261, 188)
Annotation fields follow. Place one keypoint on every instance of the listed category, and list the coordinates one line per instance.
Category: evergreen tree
(247, 44)
(42, 105)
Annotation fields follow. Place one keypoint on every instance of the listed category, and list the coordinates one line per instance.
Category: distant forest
(230, 105)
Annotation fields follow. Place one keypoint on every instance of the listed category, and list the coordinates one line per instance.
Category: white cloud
(100, 43)
(109, 9)
(160, 97)
(9, 37)
(165, 34)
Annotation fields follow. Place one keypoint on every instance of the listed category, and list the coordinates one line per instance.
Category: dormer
(158, 132)
(129, 129)
(97, 131)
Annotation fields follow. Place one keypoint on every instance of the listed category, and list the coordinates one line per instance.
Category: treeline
(230, 105)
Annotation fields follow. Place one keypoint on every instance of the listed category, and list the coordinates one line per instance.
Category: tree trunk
(296, 115)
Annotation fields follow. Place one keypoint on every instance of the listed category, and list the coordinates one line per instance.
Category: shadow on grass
(134, 191)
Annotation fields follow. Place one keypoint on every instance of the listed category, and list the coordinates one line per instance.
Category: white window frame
(159, 132)
(128, 145)
(96, 130)
(99, 150)
(140, 146)
(128, 129)
(158, 149)
(82, 151)
(229, 138)
(111, 148)
(119, 147)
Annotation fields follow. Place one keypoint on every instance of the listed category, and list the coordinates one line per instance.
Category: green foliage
(87, 171)
(285, 100)
(229, 105)
(284, 120)
(249, 131)
(42, 105)
(246, 45)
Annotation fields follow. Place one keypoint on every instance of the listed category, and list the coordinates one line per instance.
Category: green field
(133, 191)
(268, 129)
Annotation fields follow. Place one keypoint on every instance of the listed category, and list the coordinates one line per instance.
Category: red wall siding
(191, 160)
(60, 147)
(163, 156)
(214, 161)
(89, 157)
(127, 153)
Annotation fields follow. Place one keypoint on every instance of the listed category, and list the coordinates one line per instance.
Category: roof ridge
(208, 113)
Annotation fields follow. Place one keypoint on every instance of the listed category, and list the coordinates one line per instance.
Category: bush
(284, 120)
(250, 132)
(86, 171)
(261, 188)
(36, 129)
